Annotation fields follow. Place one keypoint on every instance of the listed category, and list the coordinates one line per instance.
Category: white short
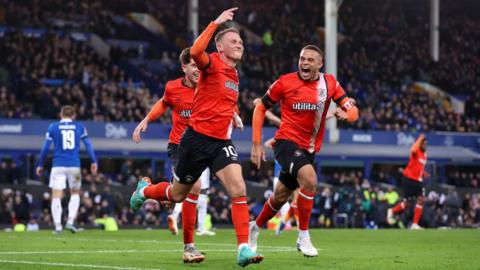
(205, 179)
(275, 181)
(60, 175)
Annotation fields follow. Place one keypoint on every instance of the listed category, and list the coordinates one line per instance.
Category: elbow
(195, 52)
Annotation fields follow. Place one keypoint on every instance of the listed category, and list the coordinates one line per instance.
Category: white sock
(303, 234)
(190, 245)
(73, 208)
(141, 192)
(177, 210)
(56, 208)
(284, 210)
(202, 211)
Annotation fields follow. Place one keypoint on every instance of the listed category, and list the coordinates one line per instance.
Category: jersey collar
(66, 120)
(184, 83)
(300, 77)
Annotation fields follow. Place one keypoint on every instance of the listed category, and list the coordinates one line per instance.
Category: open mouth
(305, 72)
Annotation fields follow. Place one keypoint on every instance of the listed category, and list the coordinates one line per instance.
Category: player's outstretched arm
(197, 51)
(418, 142)
(155, 112)
(258, 152)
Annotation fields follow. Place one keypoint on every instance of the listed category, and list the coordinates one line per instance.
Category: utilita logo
(185, 113)
(404, 139)
(115, 132)
(304, 106)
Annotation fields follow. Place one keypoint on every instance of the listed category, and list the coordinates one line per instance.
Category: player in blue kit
(66, 135)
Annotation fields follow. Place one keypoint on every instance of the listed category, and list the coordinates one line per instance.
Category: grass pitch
(158, 249)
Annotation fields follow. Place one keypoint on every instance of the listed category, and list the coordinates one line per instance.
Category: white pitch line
(126, 251)
(97, 266)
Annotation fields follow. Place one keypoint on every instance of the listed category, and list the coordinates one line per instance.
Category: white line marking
(77, 265)
(156, 242)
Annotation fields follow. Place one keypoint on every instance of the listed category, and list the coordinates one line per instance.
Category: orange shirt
(304, 106)
(179, 97)
(215, 99)
(416, 165)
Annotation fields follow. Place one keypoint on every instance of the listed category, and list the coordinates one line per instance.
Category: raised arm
(197, 51)
(416, 146)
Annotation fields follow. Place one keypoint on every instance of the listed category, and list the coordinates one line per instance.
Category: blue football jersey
(277, 169)
(66, 136)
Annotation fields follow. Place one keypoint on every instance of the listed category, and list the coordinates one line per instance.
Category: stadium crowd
(381, 57)
(362, 205)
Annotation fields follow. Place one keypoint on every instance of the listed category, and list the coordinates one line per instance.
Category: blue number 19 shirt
(66, 135)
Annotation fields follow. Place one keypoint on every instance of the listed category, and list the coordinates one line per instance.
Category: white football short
(205, 179)
(60, 175)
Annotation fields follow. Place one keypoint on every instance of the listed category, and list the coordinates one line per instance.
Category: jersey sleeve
(274, 94)
(83, 132)
(49, 134)
(338, 93)
(167, 96)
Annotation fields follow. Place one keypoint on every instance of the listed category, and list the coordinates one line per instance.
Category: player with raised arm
(178, 96)
(304, 97)
(206, 142)
(66, 136)
(412, 183)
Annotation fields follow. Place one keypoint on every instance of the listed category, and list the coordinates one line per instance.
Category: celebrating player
(206, 142)
(66, 136)
(178, 96)
(412, 183)
(288, 210)
(305, 97)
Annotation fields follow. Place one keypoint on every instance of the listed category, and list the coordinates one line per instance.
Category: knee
(307, 179)
(280, 198)
(196, 188)
(237, 188)
(178, 197)
(310, 184)
(421, 200)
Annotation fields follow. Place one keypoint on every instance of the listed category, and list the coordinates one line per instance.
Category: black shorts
(412, 188)
(291, 158)
(172, 152)
(196, 152)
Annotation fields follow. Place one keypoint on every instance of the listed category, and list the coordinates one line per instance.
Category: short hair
(220, 34)
(67, 111)
(313, 48)
(185, 56)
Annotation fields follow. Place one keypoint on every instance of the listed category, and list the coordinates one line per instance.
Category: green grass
(158, 249)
